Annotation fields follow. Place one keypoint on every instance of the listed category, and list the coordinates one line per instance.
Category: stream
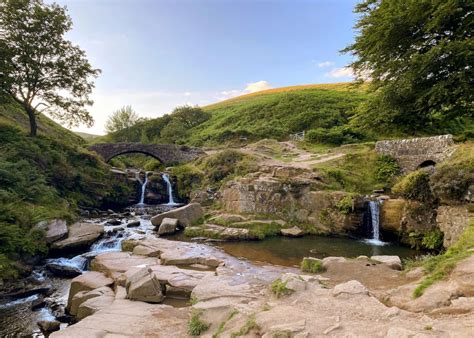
(17, 319)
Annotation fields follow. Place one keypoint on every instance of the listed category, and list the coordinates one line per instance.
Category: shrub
(415, 186)
(195, 325)
(451, 181)
(311, 265)
(387, 169)
(433, 240)
(279, 288)
(188, 178)
(345, 204)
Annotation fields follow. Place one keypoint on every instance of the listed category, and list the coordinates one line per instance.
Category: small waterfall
(142, 197)
(166, 178)
(374, 208)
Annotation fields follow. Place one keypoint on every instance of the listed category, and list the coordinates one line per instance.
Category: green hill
(12, 114)
(275, 113)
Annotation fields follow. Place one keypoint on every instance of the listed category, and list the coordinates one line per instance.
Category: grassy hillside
(325, 111)
(274, 113)
(44, 177)
(13, 114)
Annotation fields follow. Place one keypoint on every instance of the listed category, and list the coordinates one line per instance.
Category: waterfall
(374, 208)
(142, 197)
(170, 189)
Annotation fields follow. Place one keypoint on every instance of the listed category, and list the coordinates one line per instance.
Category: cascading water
(142, 197)
(166, 178)
(374, 208)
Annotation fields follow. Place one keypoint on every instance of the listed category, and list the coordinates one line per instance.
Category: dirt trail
(296, 157)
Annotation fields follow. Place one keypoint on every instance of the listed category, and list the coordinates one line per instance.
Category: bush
(345, 204)
(387, 169)
(415, 186)
(188, 178)
(311, 265)
(451, 181)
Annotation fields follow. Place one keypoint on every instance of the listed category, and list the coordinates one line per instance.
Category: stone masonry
(167, 154)
(414, 153)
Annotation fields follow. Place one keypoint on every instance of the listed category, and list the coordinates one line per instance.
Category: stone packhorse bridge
(415, 153)
(167, 154)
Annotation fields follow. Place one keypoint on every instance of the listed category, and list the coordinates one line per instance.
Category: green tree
(190, 116)
(121, 119)
(419, 57)
(39, 67)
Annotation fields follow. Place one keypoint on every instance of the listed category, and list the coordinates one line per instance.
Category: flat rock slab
(113, 264)
(184, 279)
(80, 235)
(292, 232)
(133, 319)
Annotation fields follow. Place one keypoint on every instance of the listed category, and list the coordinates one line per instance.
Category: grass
(311, 265)
(195, 324)
(279, 288)
(221, 327)
(249, 325)
(439, 267)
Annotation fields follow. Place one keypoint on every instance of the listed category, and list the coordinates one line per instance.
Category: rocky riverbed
(171, 288)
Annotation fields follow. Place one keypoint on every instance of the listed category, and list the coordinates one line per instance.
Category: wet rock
(80, 235)
(38, 303)
(114, 222)
(47, 326)
(63, 270)
(133, 224)
(186, 215)
(168, 226)
(292, 232)
(55, 229)
(393, 262)
(144, 286)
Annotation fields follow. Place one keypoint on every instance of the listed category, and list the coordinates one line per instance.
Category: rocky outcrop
(293, 200)
(185, 215)
(452, 221)
(144, 286)
(81, 235)
(87, 282)
(54, 230)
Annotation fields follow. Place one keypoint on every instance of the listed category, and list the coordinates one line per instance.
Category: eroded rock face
(185, 215)
(81, 235)
(291, 200)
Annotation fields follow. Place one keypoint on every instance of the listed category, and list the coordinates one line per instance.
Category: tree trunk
(32, 117)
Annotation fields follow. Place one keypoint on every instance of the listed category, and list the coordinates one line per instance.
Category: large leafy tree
(123, 118)
(419, 56)
(39, 68)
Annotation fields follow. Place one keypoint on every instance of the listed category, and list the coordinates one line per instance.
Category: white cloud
(257, 86)
(340, 72)
(325, 64)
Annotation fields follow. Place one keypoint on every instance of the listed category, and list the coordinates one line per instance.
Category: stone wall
(411, 153)
(452, 221)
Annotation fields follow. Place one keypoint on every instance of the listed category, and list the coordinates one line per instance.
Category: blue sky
(155, 55)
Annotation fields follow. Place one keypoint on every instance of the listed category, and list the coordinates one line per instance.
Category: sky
(159, 54)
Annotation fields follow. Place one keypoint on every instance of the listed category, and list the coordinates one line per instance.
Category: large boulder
(185, 215)
(168, 226)
(144, 286)
(83, 296)
(100, 299)
(292, 232)
(393, 262)
(86, 282)
(81, 235)
(54, 229)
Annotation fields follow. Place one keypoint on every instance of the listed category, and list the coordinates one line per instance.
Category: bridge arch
(167, 154)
